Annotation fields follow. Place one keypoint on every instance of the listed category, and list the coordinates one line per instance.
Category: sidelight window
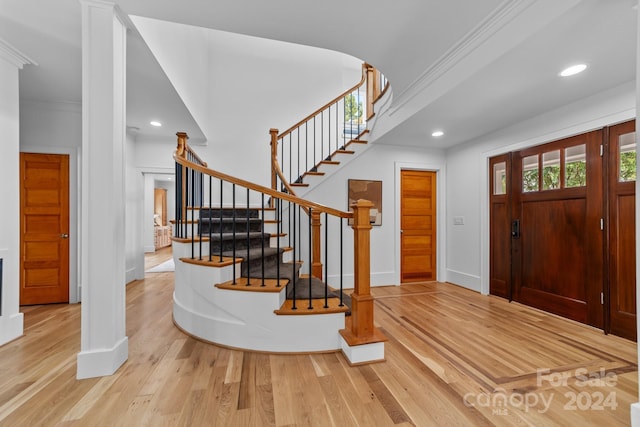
(627, 160)
(500, 178)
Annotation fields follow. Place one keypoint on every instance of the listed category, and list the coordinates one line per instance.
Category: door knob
(64, 236)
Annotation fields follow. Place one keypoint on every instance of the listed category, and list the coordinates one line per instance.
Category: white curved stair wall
(244, 319)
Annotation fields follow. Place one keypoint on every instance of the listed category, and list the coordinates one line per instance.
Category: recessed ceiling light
(574, 69)
(155, 123)
(437, 133)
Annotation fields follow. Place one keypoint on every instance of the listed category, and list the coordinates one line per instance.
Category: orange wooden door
(44, 228)
(417, 226)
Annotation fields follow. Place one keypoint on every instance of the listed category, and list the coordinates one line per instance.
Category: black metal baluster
(233, 243)
(326, 260)
(306, 146)
(248, 241)
(310, 262)
(210, 215)
(329, 132)
(220, 220)
(293, 307)
(322, 136)
(278, 229)
(314, 141)
(262, 236)
(341, 275)
(298, 162)
(290, 157)
(193, 222)
(176, 203)
(337, 126)
(200, 181)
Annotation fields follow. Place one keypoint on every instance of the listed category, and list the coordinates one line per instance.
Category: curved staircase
(251, 274)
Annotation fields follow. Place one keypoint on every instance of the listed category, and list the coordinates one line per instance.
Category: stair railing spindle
(233, 242)
(310, 262)
(326, 260)
(248, 241)
(262, 236)
(220, 219)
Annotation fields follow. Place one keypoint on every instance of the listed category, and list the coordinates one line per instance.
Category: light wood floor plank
(454, 357)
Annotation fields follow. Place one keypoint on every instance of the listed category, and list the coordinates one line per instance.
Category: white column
(635, 408)
(11, 320)
(104, 345)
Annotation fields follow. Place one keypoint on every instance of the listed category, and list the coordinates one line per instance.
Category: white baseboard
(465, 280)
(635, 414)
(364, 353)
(130, 275)
(11, 327)
(100, 363)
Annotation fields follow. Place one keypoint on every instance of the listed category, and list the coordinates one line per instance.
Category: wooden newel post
(361, 330)
(274, 155)
(316, 260)
(181, 193)
(182, 144)
(371, 89)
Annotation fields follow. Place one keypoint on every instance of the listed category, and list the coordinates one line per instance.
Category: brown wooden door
(417, 226)
(558, 247)
(622, 248)
(44, 228)
(500, 226)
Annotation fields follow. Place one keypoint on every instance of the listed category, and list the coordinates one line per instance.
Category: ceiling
(466, 67)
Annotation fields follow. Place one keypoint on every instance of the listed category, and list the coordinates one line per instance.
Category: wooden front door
(557, 228)
(44, 228)
(417, 226)
(622, 247)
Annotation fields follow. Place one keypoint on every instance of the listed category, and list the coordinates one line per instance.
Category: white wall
(467, 174)
(380, 162)
(11, 320)
(238, 87)
(134, 250)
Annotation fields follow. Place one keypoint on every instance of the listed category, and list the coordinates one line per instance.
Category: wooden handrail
(262, 189)
(360, 330)
(184, 148)
(276, 170)
(328, 104)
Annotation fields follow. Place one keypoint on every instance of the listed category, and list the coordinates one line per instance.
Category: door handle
(515, 229)
(64, 236)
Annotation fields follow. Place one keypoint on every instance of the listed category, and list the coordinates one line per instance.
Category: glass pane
(500, 178)
(575, 166)
(530, 174)
(627, 145)
(551, 170)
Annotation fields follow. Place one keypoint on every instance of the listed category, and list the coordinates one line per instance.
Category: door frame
(74, 211)
(551, 135)
(440, 170)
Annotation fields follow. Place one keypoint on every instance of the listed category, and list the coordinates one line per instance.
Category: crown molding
(14, 56)
(500, 16)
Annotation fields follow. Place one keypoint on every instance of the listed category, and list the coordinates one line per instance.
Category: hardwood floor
(454, 357)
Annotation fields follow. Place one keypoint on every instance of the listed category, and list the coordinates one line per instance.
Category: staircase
(240, 234)
(253, 262)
